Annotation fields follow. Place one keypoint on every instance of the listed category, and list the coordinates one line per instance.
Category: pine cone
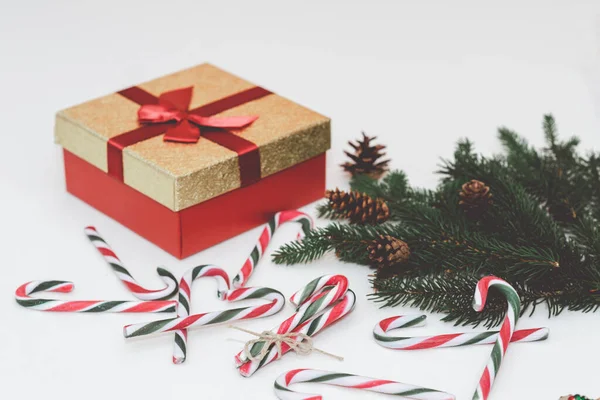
(365, 159)
(387, 250)
(562, 211)
(475, 197)
(358, 207)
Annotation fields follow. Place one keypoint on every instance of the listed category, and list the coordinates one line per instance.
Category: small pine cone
(358, 208)
(562, 211)
(475, 197)
(387, 250)
(366, 158)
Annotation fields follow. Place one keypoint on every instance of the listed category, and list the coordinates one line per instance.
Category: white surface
(417, 75)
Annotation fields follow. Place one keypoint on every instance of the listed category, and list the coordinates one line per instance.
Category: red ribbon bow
(173, 107)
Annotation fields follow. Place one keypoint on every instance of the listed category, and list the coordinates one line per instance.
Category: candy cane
(24, 299)
(240, 280)
(383, 338)
(321, 303)
(183, 309)
(310, 301)
(506, 331)
(311, 328)
(274, 298)
(283, 382)
(123, 274)
(278, 219)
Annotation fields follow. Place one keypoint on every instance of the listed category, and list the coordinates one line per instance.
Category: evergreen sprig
(540, 233)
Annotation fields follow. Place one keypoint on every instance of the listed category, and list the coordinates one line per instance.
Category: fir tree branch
(368, 185)
(312, 247)
(540, 233)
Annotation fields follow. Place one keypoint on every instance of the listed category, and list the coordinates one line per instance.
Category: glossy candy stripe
(125, 276)
(265, 238)
(24, 299)
(383, 338)
(321, 303)
(283, 382)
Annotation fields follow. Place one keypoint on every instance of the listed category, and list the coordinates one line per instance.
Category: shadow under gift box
(186, 199)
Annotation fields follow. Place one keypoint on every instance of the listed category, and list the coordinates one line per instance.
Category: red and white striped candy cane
(278, 219)
(24, 299)
(185, 294)
(506, 331)
(283, 382)
(125, 276)
(321, 303)
(385, 339)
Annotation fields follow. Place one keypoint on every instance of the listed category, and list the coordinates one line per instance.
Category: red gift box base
(201, 226)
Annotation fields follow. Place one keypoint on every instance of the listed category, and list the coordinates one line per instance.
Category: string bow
(299, 342)
(173, 109)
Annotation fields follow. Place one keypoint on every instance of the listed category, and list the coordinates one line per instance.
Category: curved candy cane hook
(185, 294)
(283, 392)
(125, 276)
(265, 238)
(506, 331)
(24, 299)
(385, 339)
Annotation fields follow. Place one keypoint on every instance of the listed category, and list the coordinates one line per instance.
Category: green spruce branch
(539, 232)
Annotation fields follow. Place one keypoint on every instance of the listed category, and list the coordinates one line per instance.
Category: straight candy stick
(506, 331)
(311, 328)
(125, 276)
(24, 299)
(283, 382)
(383, 338)
(275, 304)
(258, 251)
(183, 309)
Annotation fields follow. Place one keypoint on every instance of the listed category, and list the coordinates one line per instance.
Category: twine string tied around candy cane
(303, 347)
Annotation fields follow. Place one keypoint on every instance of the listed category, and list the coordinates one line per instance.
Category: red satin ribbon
(174, 107)
(169, 114)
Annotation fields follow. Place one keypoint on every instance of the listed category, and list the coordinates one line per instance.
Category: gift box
(193, 158)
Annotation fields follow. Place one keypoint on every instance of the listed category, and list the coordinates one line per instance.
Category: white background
(417, 74)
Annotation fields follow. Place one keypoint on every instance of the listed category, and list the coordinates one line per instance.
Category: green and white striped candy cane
(393, 388)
